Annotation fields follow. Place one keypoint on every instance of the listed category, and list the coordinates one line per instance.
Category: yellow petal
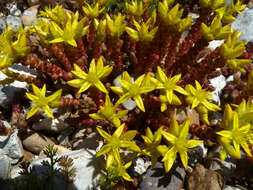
(104, 134)
(48, 111)
(139, 102)
(100, 86)
(32, 112)
(184, 158)
(104, 150)
(76, 83)
(169, 159)
(84, 87)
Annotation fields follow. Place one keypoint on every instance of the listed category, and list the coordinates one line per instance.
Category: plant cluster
(30, 179)
(82, 53)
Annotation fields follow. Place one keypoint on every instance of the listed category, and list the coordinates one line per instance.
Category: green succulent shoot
(234, 135)
(133, 90)
(43, 102)
(215, 31)
(108, 112)
(173, 16)
(228, 13)
(152, 141)
(212, 4)
(198, 98)
(56, 14)
(135, 9)
(245, 112)
(116, 26)
(231, 49)
(92, 78)
(73, 30)
(142, 32)
(178, 143)
(92, 12)
(115, 142)
(168, 85)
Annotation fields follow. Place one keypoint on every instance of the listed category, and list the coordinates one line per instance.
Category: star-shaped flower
(92, 78)
(198, 98)
(151, 142)
(178, 144)
(115, 142)
(235, 134)
(108, 112)
(133, 90)
(43, 102)
(168, 85)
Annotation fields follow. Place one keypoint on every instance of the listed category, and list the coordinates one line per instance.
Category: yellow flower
(177, 144)
(116, 25)
(173, 16)
(215, 31)
(92, 12)
(43, 102)
(168, 85)
(92, 78)
(199, 99)
(73, 30)
(108, 112)
(133, 90)
(235, 134)
(151, 143)
(115, 142)
(142, 33)
(122, 171)
(136, 9)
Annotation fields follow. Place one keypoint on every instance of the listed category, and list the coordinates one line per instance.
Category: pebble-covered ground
(205, 172)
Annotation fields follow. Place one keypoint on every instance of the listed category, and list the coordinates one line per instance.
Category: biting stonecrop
(115, 142)
(178, 143)
(108, 112)
(133, 90)
(105, 35)
(234, 135)
(198, 98)
(92, 78)
(42, 102)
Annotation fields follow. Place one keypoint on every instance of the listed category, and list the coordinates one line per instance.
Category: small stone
(14, 21)
(33, 2)
(2, 24)
(157, 179)
(219, 83)
(12, 147)
(90, 141)
(60, 150)
(28, 156)
(88, 169)
(4, 167)
(52, 125)
(35, 142)
(63, 137)
(202, 178)
(197, 154)
(244, 24)
(214, 44)
(13, 9)
(141, 166)
(227, 187)
(29, 16)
